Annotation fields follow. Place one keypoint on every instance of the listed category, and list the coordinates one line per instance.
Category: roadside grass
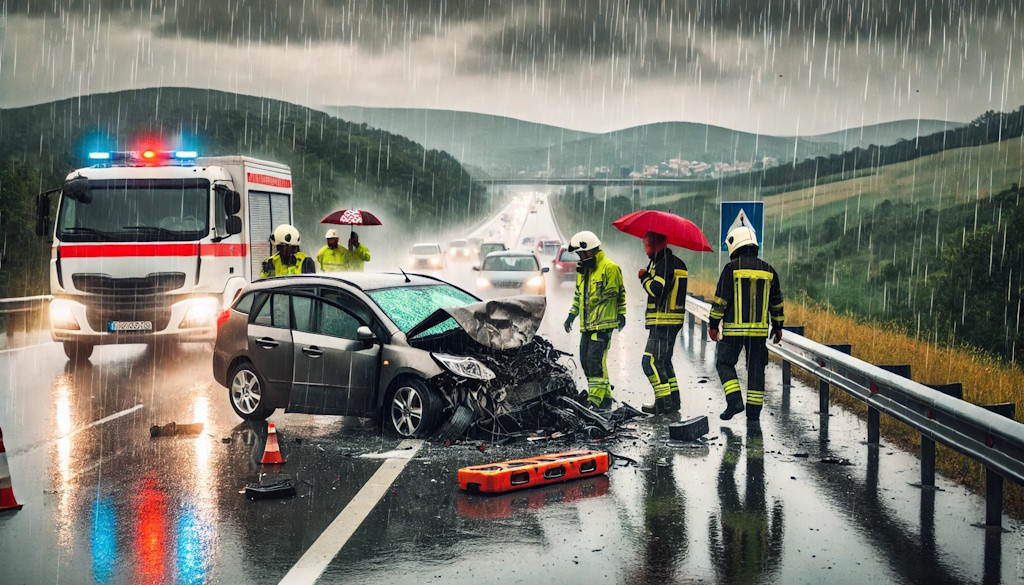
(985, 380)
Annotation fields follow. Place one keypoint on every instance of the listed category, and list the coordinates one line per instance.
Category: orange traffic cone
(7, 501)
(271, 453)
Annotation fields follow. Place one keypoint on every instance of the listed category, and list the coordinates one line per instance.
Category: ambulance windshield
(136, 210)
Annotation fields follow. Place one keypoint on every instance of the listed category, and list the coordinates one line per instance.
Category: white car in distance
(426, 256)
(510, 273)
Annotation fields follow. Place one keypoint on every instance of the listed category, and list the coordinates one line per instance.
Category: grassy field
(985, 380)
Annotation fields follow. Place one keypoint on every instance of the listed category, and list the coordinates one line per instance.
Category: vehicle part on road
(500, 506)
(272, 452)
(246, 393)
(688, 430)
(283, 488)
(7, 501)
(412, 409)
(170, 429)
(456, 425)
(520, 474)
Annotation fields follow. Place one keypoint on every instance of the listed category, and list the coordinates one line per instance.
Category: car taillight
(223, 317)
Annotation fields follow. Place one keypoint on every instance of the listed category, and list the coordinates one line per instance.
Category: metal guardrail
(995, 441)
(24, 304)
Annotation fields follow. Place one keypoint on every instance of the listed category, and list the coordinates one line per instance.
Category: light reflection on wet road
(106, 503)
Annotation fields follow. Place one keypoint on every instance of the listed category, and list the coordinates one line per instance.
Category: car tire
(247, 391)
(456, 425)
(411, 409)
(77, 351)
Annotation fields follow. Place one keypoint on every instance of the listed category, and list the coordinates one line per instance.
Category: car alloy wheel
(407, 411)
(245, 392)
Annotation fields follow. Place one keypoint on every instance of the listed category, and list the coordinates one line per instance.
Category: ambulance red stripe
(152, 250)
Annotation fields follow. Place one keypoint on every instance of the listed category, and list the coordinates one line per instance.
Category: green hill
(334, 163)
(884, 133)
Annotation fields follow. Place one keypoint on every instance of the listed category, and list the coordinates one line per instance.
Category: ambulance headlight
(202, 313)
(62, 316)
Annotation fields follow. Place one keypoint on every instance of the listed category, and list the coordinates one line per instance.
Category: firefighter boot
(606, 404)
(734, 405)
(674, 404)
(753, 412)
(661, 405)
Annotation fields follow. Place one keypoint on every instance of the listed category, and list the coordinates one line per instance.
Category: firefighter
(288, 260)
(664, 280)
(601, 299)
(748, 297)
(331, 257)
(357, 254)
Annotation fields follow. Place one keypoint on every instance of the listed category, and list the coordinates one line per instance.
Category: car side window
(349, 302)
(275, 312)
(302, 307)
(244, 304)
(337, 322)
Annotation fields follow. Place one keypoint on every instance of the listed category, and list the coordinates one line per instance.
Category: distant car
(488, 247)
(426, 256)
(528, 242)
(459, 250)
(506, 218)
(548, 247)
(565, 265)
(393, 347)
(474, 244)
(511, 273)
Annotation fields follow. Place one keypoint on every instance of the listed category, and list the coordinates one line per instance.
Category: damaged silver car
(421, 355)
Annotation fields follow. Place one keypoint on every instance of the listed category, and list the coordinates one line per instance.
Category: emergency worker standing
(357, 254)
(288, 260)
(601, 299)
(664, 280)
(332, 257)
(747, 298)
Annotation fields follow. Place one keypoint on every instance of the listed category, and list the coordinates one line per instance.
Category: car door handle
(313, 351)
(266, 342)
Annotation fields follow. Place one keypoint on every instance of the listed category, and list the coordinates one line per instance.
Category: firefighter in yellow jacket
(600, 300)
(356, 255)
(288, 259)
(332, 257)
(748, 297)
(664, 280)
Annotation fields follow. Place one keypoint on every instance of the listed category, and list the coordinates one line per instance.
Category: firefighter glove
(622, 322)
(713, 334)
(568, 322)
(642, 274)
(268, 266)
(776, 335)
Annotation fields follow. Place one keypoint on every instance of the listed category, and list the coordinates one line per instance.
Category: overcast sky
(771, 66)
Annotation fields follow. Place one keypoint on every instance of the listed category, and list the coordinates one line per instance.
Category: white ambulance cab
(152, 245)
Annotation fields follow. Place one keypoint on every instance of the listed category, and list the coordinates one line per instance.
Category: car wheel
(77, 352)
(411, 409)
(247, 392)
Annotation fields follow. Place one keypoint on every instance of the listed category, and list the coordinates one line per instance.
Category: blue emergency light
(185, 154)
(99, 156)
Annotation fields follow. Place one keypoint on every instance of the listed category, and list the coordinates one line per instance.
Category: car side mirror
(42, 214)
(545, 269)
(365, 334)
(476, 268)
(233, 224)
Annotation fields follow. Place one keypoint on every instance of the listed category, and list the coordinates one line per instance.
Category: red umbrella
(351, 217)
(679, 231)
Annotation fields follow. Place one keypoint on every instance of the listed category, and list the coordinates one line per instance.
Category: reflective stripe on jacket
(332, 259)
(600, 296)
(747, 297)
(665, 283)
(274, 267)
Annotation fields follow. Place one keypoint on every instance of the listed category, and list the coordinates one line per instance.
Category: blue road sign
(736, 213)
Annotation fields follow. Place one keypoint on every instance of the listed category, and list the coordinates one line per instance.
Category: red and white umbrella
(351, 217)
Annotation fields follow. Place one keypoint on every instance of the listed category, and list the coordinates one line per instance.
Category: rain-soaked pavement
(106, 503)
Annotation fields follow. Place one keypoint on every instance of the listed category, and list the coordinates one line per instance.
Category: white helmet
(332, 233)
(285, 234)
(585, 240)
(739, 237)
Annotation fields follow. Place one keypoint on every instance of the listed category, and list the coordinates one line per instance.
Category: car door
(308, 391)
(270, 338)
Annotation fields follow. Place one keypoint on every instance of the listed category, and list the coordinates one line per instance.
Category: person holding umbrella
(664, 280)
(601, 300)
(356, 254)
(331, 257)
(748, 296)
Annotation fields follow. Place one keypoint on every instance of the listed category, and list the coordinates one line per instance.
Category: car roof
(426, 244)
(362, 280)
(511, 254)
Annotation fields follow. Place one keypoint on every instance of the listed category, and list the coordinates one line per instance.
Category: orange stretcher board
(517, 474)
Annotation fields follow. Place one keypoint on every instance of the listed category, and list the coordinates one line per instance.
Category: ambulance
(151, 245)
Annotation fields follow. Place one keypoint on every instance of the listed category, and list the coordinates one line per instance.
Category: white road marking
(96, 423)
(313, 562)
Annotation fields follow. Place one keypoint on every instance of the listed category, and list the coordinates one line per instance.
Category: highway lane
(106, 503)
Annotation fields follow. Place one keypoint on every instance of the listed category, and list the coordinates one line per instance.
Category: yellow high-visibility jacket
(665, 283)
(332, 259)
(600, 295)
(354, 258)
(273, 266)
(747, 297)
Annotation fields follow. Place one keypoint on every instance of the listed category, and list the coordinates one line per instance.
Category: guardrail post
(874, 424)
(955, 390)
(787, 368)
(994, 481)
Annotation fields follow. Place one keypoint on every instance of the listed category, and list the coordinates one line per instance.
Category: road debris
(836, 460)
(281, 488)
(171, 429)
(688, 430)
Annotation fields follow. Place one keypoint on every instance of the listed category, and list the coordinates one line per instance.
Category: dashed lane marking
(315, 560)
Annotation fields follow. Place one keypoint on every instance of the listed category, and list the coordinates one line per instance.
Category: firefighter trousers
(727, 353)
(657, 360)
(594, 359)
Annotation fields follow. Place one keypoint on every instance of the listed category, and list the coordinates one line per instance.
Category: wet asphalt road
(106, 503)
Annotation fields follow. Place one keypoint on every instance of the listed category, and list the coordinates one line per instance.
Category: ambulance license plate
(130, 326)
